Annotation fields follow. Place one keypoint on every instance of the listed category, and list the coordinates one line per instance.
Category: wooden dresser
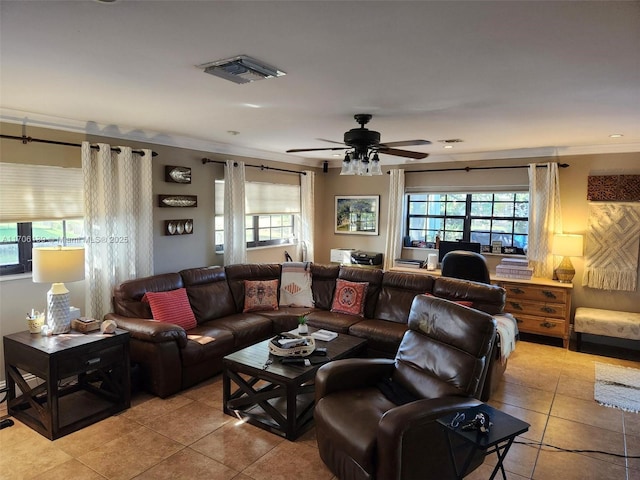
(540, 305)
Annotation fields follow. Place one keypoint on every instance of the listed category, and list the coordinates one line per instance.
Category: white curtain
(118, 204)
(393, 244)
(545, 216)
(235, 243)
(307, 206)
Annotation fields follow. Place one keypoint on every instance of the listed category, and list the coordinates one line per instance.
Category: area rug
(617, 387)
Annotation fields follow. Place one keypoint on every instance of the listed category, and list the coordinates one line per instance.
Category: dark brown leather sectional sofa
(172, 359)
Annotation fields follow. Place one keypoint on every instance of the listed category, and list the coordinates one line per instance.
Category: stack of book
(514, 268)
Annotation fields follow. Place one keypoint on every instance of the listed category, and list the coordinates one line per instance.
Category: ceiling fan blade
(330, 141)
(294, 150)
(406, 143)
(403, 153)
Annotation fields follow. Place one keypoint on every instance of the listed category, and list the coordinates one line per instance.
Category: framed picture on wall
(357, 214)
(173, 174)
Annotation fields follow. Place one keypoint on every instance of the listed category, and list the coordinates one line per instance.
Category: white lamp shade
(58, 264)
(566, 245)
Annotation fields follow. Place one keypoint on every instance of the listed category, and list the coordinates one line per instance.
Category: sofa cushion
(206, 343)
(336, 322)
(397, 293)
(349, 297)
(381, 335)
(171, 307)
(127, 297)
(238, 273)
(260, 295)
(373, 276)
(247, 328)
(295, 285)
(324, 284)
(209, 293)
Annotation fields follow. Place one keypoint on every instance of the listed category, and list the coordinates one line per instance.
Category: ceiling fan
(363, 141)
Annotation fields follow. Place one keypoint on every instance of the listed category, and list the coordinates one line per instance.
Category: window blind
(30, 193)
(263, 198)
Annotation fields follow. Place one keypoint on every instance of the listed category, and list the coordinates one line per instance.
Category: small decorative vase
(303, 328)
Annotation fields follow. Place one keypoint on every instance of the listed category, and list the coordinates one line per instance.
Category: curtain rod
(261, 167)
(468, 169)
(26, 140)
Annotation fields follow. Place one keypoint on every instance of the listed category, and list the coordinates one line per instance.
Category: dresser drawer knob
(549, 294)
(547, 325)
(548, 310)
(516, 305)
(93, 361)
(517, 290)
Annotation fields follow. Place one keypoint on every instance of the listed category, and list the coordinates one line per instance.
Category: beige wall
(175, 253)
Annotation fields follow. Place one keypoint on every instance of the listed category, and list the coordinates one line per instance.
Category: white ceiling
(510, 78)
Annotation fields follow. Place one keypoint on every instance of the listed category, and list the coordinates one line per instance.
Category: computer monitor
(446, 247)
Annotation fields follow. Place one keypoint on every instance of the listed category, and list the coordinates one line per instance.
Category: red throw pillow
(171, 307)
(464, 303)
(260, 295)
(349, 297)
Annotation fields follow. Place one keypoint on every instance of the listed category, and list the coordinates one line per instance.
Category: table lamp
(57, 265)
(566, 246)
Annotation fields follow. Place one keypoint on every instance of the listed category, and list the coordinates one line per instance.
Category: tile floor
(188, 437)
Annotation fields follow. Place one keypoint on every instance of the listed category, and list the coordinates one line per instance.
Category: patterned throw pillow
(295, 285)
(349, 297)
(260, 295)
(171, 307)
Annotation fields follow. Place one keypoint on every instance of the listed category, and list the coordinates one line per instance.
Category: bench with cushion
(608, 323)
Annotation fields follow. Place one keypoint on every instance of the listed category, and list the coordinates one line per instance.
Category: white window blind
(263, 198)
(30, 193)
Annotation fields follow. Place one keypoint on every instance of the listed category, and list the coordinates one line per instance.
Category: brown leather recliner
(365, 434)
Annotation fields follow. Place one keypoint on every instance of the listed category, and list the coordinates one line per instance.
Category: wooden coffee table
(278, 398)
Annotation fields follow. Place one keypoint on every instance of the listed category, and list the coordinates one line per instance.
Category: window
(469, 217)
(18, 239)
(271, 214)
(40, 205)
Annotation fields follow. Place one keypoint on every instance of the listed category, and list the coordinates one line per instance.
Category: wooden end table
(85, 377)
(278, 397)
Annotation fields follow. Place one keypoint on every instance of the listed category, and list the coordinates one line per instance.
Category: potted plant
(303, 328)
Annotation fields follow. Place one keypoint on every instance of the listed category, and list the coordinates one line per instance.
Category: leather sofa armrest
(351, 373)
(399, 428)
(150, 330)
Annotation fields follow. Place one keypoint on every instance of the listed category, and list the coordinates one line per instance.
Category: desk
(502, 433)
(540, 305)
(85, 378)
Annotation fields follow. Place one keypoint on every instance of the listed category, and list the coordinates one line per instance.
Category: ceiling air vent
(241, 69)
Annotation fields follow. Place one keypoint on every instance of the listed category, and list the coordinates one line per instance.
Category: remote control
(7, 422)
(296, 361)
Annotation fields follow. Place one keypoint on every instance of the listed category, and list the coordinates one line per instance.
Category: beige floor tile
(72, 469)
(155, 407)
(542, 380)
(188, 465)
(588, 412)
(631, 423)
(309, 438)
(484, 471)
(28, 454)
(131, 454)
(242, 476)
(525, 397)
(553, 465)
(93, 436)
(189, 423)
(571, 386)
(633, 449)
(237, 445)
(520, 459)
(536, 420)
(578, 436)
(289, 461)
(208, 392)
